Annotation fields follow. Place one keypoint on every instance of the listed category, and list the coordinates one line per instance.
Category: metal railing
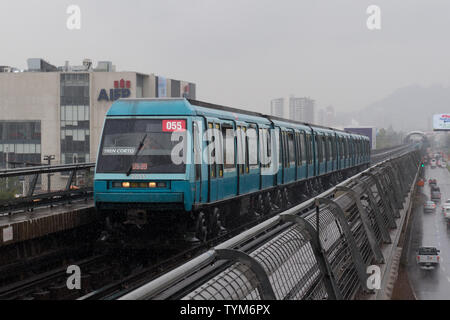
(23, 189)
(319, 249)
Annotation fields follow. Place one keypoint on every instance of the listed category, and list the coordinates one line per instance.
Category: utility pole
(7, 160)
(49, 158)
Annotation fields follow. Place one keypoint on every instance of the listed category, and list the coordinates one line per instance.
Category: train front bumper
(122, 197)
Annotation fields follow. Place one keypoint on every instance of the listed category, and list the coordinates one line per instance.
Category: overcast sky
(244, 53)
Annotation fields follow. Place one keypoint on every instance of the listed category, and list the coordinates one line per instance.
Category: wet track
(430, 229)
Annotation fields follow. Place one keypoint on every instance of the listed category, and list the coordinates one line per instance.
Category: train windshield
(143, 146)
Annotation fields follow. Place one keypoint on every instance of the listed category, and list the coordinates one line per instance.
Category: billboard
(441, 122)
(370, 132)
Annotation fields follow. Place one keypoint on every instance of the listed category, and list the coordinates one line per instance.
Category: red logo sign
(122, 84)
(173, 125)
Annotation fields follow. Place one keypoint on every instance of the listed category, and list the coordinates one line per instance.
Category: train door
(303, 163)
(330, 164)
(253, 177)
(347, 152)
(212, 165)
(317, 154)
(277, 144)
(228, 185)
(265, 157)
(310, 155)
(298, 163)
(242, 151)
(199, 174)
(289, 168)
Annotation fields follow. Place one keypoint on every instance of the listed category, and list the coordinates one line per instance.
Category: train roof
(177, 106)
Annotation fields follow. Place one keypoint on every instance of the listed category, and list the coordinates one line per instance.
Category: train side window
(302, 146)
(299, 149)
(290, 140)
(245, 139)
(324, 149)
(269, 143)
(228, 146)
(252, 138)
(212, 154)
(357, 148)
(318, 148)
(240, 150)
(332, 148)
(219, 153)
(282, 149)
(309, 148)
(262, 146)
(282, 152)
(345, 148)
(197, 152)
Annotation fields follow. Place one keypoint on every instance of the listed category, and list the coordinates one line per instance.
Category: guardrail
(382, 154)
(319, 249)
(27, 188)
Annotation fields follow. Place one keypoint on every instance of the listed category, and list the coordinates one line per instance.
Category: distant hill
(408, 108)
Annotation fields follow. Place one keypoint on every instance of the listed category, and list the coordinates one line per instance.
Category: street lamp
(49, 158)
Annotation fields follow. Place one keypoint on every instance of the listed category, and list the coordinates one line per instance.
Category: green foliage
(389, 138)
(9, 188)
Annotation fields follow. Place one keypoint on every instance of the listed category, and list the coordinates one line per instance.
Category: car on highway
(428, 258)
(432, 182)
(435, 193)
(445, 206)
(443, 164)
(446, 215)
(433, 163)
(429, 206)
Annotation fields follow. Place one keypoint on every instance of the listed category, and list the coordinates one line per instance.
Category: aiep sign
(121, 90)
(441, 122)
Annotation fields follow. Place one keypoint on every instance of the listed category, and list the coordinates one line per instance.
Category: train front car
(142, 172)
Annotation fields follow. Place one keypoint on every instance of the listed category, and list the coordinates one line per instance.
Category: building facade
(302, 109)
(61, 112)
(277, 107)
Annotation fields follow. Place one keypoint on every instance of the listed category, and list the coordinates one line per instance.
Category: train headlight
(117, 184)
(125, 184)
(152, 184)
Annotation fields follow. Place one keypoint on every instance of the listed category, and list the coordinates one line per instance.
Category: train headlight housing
(141, 184)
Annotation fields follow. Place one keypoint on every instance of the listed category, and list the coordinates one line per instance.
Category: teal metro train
(201, 167)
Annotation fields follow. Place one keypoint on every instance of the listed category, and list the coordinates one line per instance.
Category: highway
(429, 229)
